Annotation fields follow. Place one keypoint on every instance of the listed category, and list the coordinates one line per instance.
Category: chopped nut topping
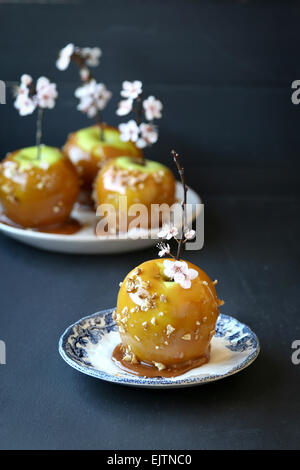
(204, 319)
(153, 321)
(156, 347)
(137, 271)
(130, 285)
(132, 310)
(145, 325)
(127, 357)
(146, 284)
(6, 188)
(120, 284)
(205, 283)
(137, 338)
(163, 298)
(221, 302)
(125, 310)
(121, 329)
(159, 365)
(161, 314)
(198, 323)
(186, 337)
(170, 330)
(215, 282)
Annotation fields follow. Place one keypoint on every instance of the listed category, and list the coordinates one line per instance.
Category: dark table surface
(252, 247)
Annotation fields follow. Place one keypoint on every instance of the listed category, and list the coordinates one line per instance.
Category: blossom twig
(39, 123)
(183, 204)
(92, 96)
(30, 96)
(142, 133)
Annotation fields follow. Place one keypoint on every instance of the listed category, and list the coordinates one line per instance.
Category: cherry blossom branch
(31, 96)
(39, 131)
(93, 96)
(183, 204)
(86, 76)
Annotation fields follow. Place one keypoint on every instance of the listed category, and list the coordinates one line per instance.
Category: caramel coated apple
(88, 153)
(37, 193)
(147, 184)
(160, 322)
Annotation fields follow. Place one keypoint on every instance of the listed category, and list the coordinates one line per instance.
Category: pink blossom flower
(180, 273)
(26, 80)
(91, 55)
(64, 57)
(167, 232)
(131, 89)
(93, 97)
(24, 104)
(189, 234)
(129, 131)
(84, 74)
(124, 107)
(153, 108)
(148, 135)
(164, 249)
(46, 93)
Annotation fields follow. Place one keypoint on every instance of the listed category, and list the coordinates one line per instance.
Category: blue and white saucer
(87, 345)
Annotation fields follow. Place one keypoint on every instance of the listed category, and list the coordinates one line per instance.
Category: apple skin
(34, 195)
(192, 311)
(153, 183)
(88, 154)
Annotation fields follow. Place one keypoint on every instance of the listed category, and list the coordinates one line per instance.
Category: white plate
(85, 241)
(87, 345)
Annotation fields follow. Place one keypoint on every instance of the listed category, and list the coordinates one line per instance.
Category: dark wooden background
(223, 69)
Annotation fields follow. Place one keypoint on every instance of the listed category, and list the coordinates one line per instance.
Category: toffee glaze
(69, 227)
(144, 369)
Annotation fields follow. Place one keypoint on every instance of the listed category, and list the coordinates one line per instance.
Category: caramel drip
(70, 227)
(144, 369)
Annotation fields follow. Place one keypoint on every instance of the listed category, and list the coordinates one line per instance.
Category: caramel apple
(146, 183)
(165, 322)
(89, 154)
(38, 192)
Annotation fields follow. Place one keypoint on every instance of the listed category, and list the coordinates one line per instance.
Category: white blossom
(164, 249)
(129, 131)
(131, 89)
(189, 234)
(84, 74)
(24, 104)
(64, 57)
(148, 135)
(93, 97)
(179, 272)
(91, 55)
(26, 80)
(46, 93)
(167, 232)
(153, 108)
(124, 107)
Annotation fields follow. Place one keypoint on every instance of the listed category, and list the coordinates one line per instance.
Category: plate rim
(151, 382)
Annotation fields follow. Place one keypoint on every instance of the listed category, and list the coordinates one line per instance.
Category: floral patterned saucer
(87, 345)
